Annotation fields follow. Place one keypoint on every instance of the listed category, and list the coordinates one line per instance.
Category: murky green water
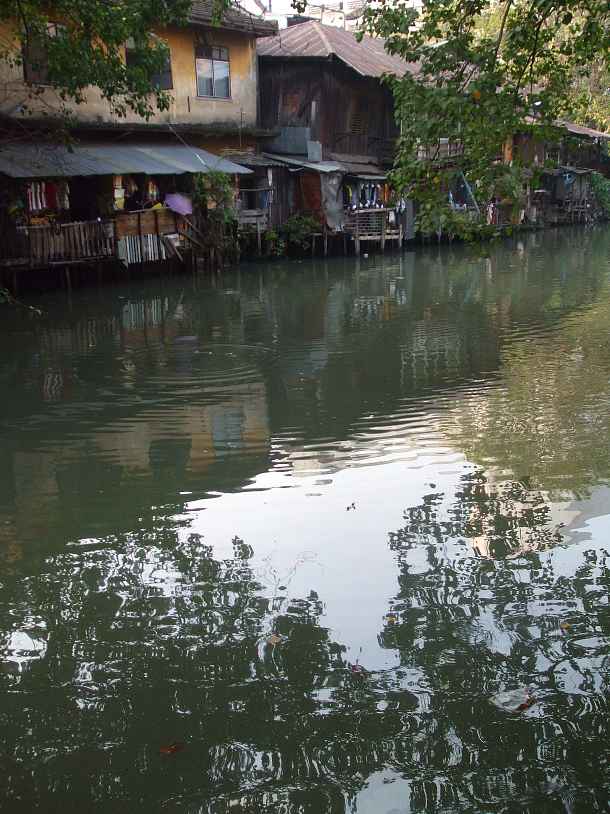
(272, 543)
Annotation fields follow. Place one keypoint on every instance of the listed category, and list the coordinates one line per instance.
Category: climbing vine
(601, 190)
(215, 215)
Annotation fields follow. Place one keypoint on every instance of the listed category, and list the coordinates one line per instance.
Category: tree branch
(501, 32)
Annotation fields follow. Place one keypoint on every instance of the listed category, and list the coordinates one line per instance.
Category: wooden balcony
(374, 226)
(380, 150)
(442, 153)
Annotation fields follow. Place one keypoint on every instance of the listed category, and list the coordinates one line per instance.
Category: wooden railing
(374, 225)
(132, 237)
(71, 242)
(59, 243)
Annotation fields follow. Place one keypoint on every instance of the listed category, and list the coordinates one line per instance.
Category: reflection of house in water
(155, 419)
(123, 465)
(125, 462)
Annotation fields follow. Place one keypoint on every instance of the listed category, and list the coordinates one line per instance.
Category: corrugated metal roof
(54, 161)
(235, 18)
(314, 40)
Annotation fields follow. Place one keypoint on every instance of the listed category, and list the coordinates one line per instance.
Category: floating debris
(274, 639)
(351, 507)
(513, 700)
(358, 669)
(565, 627)
(391, 619)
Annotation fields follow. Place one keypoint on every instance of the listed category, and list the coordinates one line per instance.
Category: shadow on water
(452, 403)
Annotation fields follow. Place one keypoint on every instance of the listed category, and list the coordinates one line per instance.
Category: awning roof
(369, 172)
(304, 164)
(579, 130)
(53, 161)
(562, 170)
(247, 159)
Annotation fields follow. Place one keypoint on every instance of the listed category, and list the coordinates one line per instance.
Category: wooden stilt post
(357, 233)
(325, 241)
(159, 249)
(68, 279)
(383, 223)
(141, 241)
(259, 239)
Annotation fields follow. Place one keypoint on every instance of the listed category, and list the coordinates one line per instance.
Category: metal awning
(54, 161)
(304, 164)
(364, 172)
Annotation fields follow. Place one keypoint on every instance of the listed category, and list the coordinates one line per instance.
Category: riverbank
(38, 281)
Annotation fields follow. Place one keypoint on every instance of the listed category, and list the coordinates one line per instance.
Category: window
(36, 56)
(213, 72)
(158, 81)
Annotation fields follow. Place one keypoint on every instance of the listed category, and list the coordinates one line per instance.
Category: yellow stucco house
(211, 77)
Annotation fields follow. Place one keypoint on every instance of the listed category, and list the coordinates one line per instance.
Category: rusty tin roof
(316, 41)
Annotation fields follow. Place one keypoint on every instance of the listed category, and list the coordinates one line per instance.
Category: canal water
(276, 541)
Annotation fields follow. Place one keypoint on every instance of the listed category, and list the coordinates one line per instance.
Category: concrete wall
(185, 108)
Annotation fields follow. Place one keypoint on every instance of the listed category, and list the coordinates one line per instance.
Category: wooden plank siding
(345, 112)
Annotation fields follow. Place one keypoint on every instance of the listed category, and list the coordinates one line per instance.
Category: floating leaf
(391, 619)
(565, 627)
(172, 748)
(358, 669)
(274, 639)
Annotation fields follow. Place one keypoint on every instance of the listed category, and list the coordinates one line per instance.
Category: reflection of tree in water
(467, 627)
(148, 641)
(497, 520)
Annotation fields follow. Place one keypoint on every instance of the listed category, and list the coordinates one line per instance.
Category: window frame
(156, 87)
(42, 70)
(201, 47)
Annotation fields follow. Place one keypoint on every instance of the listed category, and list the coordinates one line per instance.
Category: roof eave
(256, 30)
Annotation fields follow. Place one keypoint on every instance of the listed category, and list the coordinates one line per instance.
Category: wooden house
(323, 91)
(560, 170)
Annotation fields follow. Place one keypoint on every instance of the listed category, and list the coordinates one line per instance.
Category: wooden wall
(330, 99)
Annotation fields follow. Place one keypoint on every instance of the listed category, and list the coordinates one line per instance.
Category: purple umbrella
(179, 203)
